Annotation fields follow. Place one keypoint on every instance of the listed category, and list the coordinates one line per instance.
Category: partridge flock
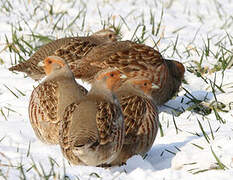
(118, 117)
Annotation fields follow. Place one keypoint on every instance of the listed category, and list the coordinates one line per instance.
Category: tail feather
(21, 67)
(176, 68)
(33, 71)
(180, 68)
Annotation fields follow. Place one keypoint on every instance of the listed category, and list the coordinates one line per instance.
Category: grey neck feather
(100, 89)
(64, 72)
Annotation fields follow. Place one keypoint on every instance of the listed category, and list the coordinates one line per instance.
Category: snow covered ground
(192, 144)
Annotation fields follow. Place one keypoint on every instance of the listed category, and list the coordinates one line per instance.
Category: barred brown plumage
(140, 118)
(92, 130)
(70, 49)
(49, 99)
(133, 60)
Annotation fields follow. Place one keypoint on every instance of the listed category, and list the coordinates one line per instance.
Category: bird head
(143, 85)
(111, 78)
(107, 35)
(52, 64)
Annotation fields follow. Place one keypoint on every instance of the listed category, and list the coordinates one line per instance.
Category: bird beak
(154, 86)
(40, 64)
(123, 76)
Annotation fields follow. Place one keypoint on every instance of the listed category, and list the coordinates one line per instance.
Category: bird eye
(50, 62)
(145, 84)
(111, 74)
(110, 36)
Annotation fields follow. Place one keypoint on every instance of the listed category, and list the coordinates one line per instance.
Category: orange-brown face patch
(49, 62)
(112, 78)
(144, 85)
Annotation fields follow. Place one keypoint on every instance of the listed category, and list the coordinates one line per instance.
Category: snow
(179, 154)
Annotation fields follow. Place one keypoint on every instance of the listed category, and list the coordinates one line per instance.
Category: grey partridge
(49, 99)
(70, 49)
(140, 118)
(92, 129)
(133, 60)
